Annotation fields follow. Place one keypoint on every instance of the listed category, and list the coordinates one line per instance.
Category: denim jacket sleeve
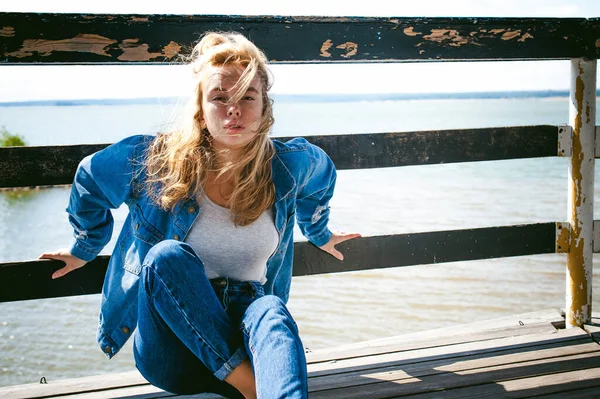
(103, 181)
(313, 197)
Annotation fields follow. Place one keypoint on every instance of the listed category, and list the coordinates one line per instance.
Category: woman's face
(231, 125)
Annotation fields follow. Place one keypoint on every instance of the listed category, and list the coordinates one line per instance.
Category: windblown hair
(178, 162)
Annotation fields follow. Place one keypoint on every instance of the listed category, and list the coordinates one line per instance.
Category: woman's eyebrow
(222, 90)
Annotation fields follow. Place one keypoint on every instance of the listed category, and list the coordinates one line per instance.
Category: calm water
(56, 338)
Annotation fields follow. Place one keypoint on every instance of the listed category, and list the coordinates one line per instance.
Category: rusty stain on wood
(7, 31)
(350, 47)
(410, 31)
(83, 42)
(446, 35)
(327, 44)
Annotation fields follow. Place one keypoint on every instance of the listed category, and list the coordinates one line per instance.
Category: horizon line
(306, 97)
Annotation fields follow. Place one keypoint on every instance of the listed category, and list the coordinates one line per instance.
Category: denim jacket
(304, 179)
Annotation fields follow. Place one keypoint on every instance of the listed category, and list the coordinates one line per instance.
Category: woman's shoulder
(130, 147)
(298, 144)
(301, 158)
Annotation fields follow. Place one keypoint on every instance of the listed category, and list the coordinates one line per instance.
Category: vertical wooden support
(582, 118)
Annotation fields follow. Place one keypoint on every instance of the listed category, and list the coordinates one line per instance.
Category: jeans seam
(186, 318)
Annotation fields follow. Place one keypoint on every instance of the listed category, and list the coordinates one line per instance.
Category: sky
(19, 83)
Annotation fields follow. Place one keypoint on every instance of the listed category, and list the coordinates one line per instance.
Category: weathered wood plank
(557, 385)
(128, 384)
(415, 351)
(498, 328)
(577, 378)
(594, 331)
(428, 248)
(31, 279)
(51, 165)
(371, 389)
(81, 38)
(75, 385)
(452, 364)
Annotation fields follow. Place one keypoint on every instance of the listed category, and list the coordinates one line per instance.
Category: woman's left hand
(335, 239)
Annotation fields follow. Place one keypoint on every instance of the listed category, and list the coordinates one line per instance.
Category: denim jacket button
(176, 237)
(125, 330)
(107, 349)
(191, 209)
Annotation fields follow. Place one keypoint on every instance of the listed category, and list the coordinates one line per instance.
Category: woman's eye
(249, 98)
(219, 98)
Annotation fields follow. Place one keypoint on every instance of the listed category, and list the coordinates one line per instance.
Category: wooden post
(582, 118)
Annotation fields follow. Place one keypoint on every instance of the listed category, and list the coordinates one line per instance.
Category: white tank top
(227, 250)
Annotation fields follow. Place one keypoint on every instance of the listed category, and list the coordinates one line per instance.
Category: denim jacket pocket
(142, 229)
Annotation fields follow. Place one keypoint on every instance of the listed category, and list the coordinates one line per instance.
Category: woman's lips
(233, 128)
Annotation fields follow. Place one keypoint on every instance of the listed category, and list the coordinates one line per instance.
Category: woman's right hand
(71, 262)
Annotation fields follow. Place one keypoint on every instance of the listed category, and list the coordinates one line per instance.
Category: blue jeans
(192, 332)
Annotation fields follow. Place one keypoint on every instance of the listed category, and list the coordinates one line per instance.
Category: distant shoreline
(335, 97)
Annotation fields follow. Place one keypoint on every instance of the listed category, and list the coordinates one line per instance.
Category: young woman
(201, 271)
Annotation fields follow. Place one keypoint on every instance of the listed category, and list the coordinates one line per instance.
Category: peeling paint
(446, 35)
(139, 19)
(511, 34)
(327, 44)
(132, 51)
(577, 284)
(526, 36)
(410, 31)
(171, 49)
(7, 31)
(563, 234)
(350, 47)
(84, 43)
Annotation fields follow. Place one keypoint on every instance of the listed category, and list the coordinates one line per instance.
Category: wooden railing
(27, 38)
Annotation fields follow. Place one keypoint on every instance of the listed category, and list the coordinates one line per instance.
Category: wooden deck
(528, 355)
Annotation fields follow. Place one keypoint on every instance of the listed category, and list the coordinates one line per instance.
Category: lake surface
(56, 338)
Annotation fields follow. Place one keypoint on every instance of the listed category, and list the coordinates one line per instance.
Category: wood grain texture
(51, 165)
(103, 38)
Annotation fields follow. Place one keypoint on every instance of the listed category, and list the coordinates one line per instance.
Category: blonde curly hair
(178, 162)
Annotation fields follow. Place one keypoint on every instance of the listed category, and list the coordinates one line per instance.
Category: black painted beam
(31, 279)
(51, 165)
(95, 38)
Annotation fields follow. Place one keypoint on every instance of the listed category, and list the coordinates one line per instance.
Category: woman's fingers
(346, 236)
(335, 239)
(61, 272)
(71, 262)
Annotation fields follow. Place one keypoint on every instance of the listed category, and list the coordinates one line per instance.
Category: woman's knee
(269, 308)
(165, 251)
(172, 260)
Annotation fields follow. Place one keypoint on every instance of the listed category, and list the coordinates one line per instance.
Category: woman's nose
(234, 110)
